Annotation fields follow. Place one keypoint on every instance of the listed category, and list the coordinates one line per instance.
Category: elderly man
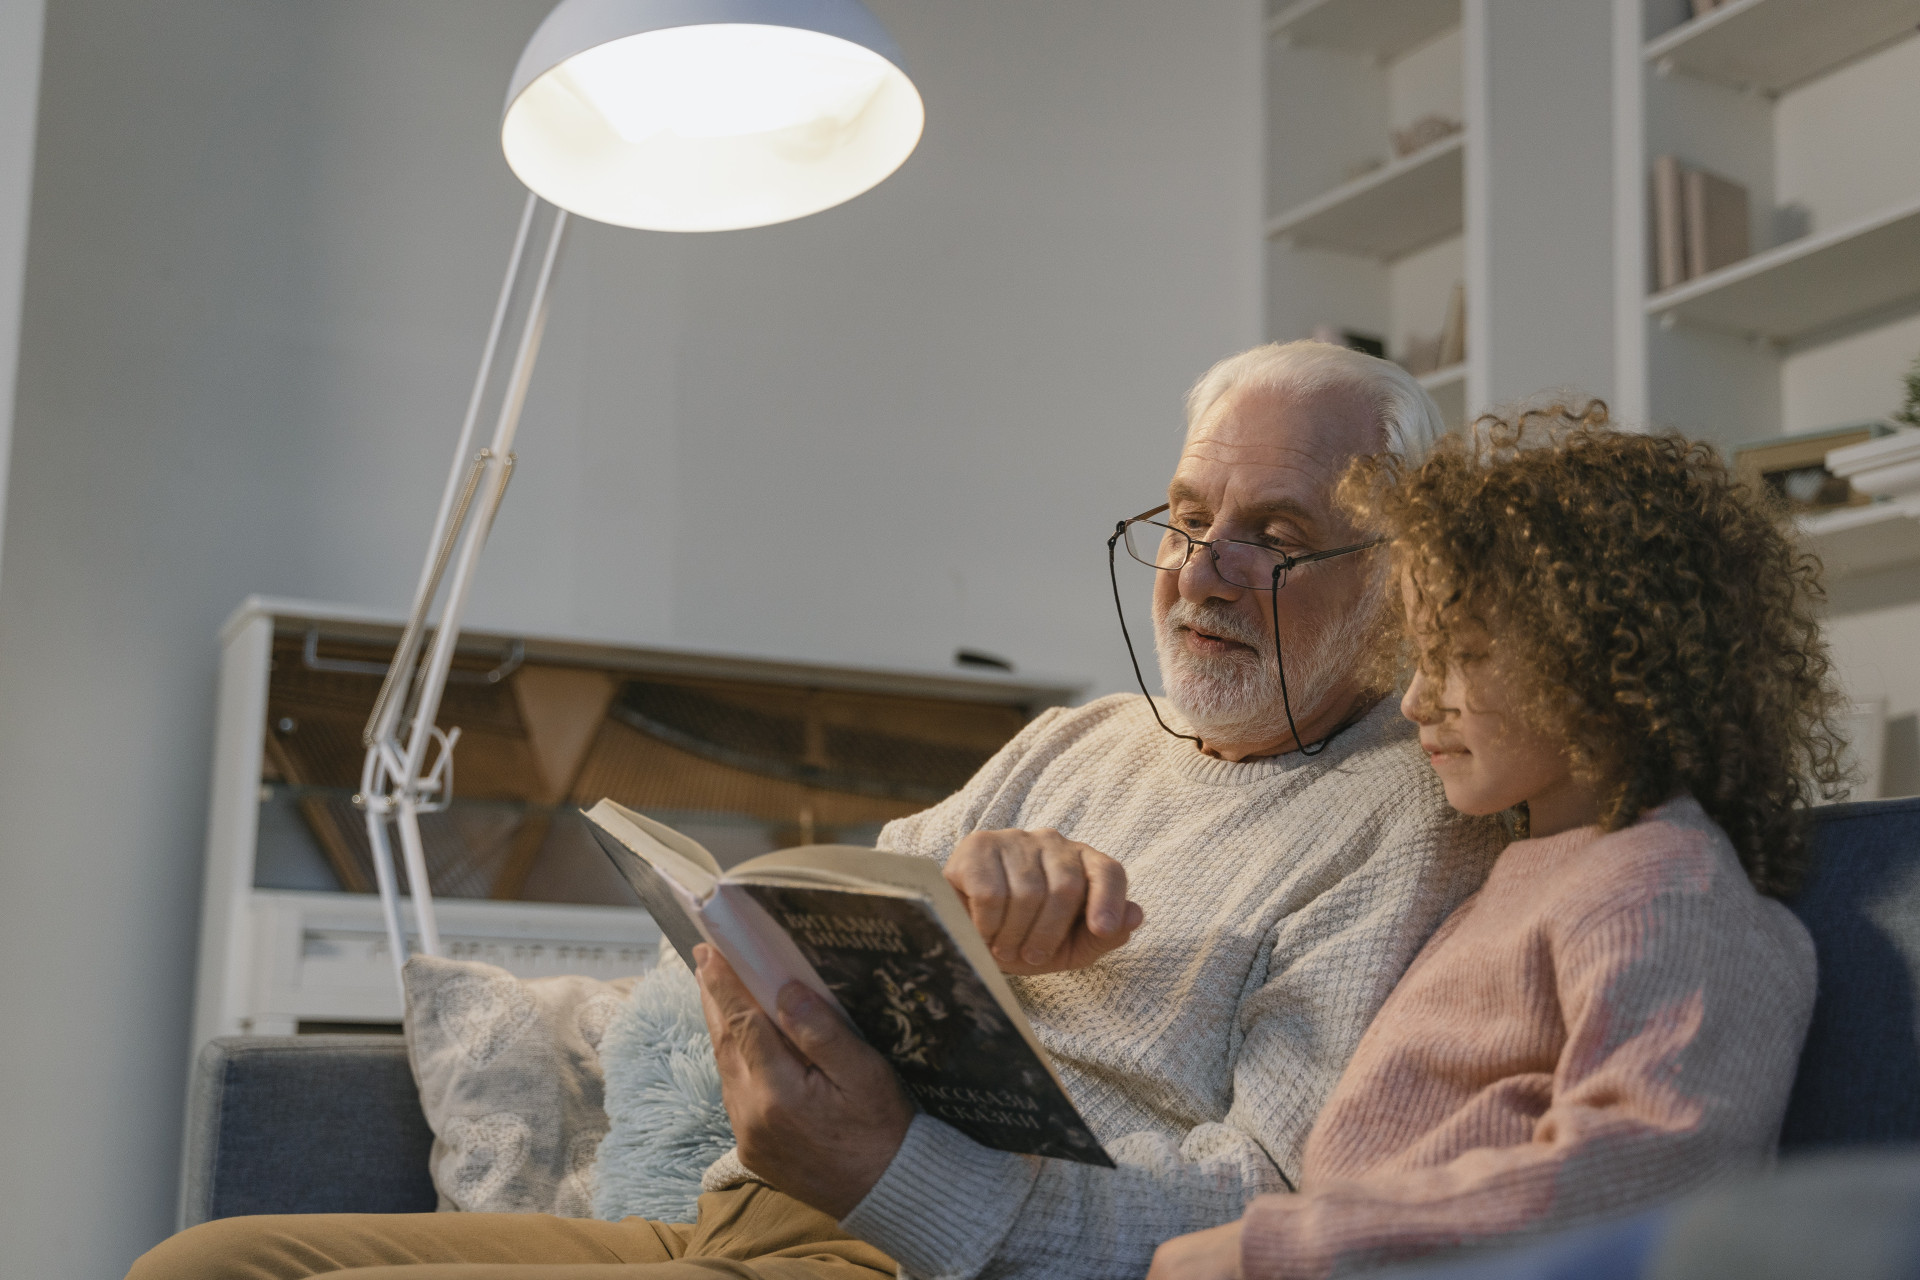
(1203, 904)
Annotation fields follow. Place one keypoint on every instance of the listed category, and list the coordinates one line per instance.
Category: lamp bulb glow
(725, 81)
(626, 112)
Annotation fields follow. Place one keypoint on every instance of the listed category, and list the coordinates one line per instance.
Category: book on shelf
(1895, 480)
(1896, 448)
(1887, 467)
(1795, 467)
(1716, 222)
(883, 938)
(1700, 222)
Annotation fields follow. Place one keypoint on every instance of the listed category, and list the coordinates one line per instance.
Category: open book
(885, 938)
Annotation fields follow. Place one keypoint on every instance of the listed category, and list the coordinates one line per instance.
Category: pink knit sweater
(1612, 1019)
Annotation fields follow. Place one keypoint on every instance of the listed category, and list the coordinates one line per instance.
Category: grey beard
(1237, 696)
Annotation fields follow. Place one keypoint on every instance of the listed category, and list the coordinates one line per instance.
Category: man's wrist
(944, 1203)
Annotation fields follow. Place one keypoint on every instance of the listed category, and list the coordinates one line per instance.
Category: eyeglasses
(1251, 565)
(1247, 565)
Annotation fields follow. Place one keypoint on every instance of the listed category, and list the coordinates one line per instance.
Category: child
(1614, 641)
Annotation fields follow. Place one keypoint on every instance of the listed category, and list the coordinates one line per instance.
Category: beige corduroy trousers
(750, 1232)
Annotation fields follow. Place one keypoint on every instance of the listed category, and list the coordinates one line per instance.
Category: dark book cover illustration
(912, 993)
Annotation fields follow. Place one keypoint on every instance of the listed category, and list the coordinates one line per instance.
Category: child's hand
(1044, 903)
(1204, 1255)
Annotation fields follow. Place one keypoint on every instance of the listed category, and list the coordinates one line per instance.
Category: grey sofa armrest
(304, 1124)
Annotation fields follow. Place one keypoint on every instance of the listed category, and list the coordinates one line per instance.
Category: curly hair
(1652, 611)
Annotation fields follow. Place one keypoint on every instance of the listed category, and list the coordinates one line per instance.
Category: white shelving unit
(1811, 105)
(1389, 213)
(1359, 239)
(1775, 45)
(1362, 240)
(1816, 283)
(1382, 29)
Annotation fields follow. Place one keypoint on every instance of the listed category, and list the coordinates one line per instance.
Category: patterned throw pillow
(511, 1084)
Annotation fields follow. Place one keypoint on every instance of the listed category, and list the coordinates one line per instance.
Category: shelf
(1390, 212)
(1807, 284)
(1383, 28)
(1772, 45)
(1856, 540)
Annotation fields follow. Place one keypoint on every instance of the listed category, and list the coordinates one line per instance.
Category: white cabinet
(746, 754)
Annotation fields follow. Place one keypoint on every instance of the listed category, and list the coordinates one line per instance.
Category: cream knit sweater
(1612, 1020)
(1283, 899)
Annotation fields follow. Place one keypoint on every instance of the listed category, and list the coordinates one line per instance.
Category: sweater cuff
(945, 1203)
(1264, 1254)
(726, 1173)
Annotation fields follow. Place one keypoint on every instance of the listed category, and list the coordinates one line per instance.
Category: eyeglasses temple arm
(1113, 576)
(1311, 556)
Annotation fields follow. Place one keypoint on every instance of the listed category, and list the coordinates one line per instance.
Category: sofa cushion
(668, 1121)
(304, 1124)
(1859, 1079)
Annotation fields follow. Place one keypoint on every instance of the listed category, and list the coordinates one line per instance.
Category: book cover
(1716, 222)
(906, 984)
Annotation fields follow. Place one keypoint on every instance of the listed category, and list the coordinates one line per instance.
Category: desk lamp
(663, 115)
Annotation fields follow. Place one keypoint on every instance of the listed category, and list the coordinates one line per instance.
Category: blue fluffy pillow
(662, 1099)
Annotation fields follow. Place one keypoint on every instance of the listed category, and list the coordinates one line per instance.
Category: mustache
(1216, 619)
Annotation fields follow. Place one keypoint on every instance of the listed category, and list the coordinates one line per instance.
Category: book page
(679, 857)
(672, 906)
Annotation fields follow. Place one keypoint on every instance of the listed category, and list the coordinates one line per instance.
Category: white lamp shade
(708, 115)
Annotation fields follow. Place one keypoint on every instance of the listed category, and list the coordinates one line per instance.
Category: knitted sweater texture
(1611, 1020)
(1283, 898)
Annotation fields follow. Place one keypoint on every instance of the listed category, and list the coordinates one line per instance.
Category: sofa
(324, 1124)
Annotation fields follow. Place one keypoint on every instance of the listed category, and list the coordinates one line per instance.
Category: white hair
(1238, 694)
(1409, 419)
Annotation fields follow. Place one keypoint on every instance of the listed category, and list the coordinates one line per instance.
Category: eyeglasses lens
(1157, 546)
(1160, 547)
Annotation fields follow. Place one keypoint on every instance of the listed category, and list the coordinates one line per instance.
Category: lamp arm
(399, 782)
(454, 498)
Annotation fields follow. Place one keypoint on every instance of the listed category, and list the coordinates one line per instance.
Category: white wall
(265, 238)
(20, 23)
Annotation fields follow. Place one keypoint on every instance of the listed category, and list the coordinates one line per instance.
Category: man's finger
(1066, 894)
(1026, 894)
(1106, 893)
(744, 1039)
(825, 1039)
(982, 882)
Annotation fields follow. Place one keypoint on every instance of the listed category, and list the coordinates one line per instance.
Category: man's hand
(1044, 903)
(816, 1111)
(1204, 1255)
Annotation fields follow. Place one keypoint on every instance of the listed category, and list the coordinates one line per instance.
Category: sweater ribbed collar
(1380, 723)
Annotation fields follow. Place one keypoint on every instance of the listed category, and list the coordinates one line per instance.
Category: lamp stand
(409, 771)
